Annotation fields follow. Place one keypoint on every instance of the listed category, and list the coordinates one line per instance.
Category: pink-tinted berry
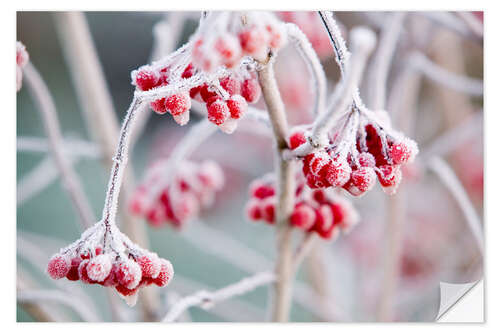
(250, 90)
(254, 210)
(403, 151)
(253, 41)
(303, 216)
(229, 50)
(166, 273)
(366, 160)
(324, 223)
(128, 274)
(237, 106)
(178, 103)
(126, 291)
(150, 266)
(158, 106)
(338, 172)
(231, 85)
(146, 78)
(218, 112)
(58, 266)
(297, 139)
(98, 268)
(268, 210)
(277, 36)
(83, 274)
(318, 161)
(364, 178)
(72, 274)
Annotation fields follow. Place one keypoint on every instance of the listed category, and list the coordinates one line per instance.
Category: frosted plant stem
(94, 96)
(47, 109)
(286, 192)
(440, 75)
(313, 63)
(206, 299)
(452, 183)
(383, 57)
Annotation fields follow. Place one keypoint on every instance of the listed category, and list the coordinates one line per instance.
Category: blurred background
(222, 246)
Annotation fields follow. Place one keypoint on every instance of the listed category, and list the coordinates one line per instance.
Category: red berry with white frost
(166, 273)
(403, 152)
(58, 266)
(250, 90)
(99, 267)
(128, 274)
(303, 216)
(237, 106)
(177, 104)
(218, 112)
(364, 178)
(146, 78)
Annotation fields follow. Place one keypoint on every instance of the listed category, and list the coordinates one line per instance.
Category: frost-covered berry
(181, 119)
(318, 161)
(158, 106)
(364, 178)
(150, 265)
(404, 151)
(177, 104)
(98, 268)
(218, 112)
(237, 106)
(128, 274)
(268, 210)
(253, 42)
(254, 210)
(166, 273)
(206, 93)
(58, 266)
(146, 78)
(324, 223)
(366, 160)
(338, 172)
(228, 49)
(303, 216)
(126, 291)
(389, 177)
(250, 90)
(297, 139)
(72, 274)
(83, 274)
(277, 35)
(231, 85)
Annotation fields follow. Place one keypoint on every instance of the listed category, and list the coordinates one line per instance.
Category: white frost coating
(307, 52)
(206, 299)
(99, 267)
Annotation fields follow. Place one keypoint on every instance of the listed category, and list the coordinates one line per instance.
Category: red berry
(318, 161)
(158, 106)
(146, 78)
(229, 49)
(250, 90)
(72, 274)
(231, 85)
(324, 223)
(82, 272)
(268, 210)
(253, 210)
(218, 112)
(364, 178)
(277, 36)
(188, 71)
(193, 92)
(178, 103)
(150, 266)
(338, 172)
(260, 190)
(389, 177)
(297, 139)
(303, 216)
(166, 273)
(98, 268)
(403, 152)
(128, 274)
(253, 41)
(206, 93)
(237, 106)
(58, 266)
(126, 291)
(366, 160)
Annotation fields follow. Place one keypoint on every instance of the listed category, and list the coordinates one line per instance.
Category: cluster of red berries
(126, 275)
(22, 59)
(320, 211)
(374, 154)
(226, 99)
(180, 200)
(310, 23)
(231, 40)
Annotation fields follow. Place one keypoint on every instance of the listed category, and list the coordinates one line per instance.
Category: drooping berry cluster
(217, 68)
(22, 59)
(228, 37)
(180, 198)
(359, 152)
(107, 257)
(320, 211)
(310, 23)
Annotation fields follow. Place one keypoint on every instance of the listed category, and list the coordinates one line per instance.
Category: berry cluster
(217, 68)
(227, 38)
(22, 59)
(320, 211)
(180, 200)
(106, 257)
(358, 153)
(310, 23)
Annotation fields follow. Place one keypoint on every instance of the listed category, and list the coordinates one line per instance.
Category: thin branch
(438, 74)
(57, 296)
(206, 299)
(47, 109)
(303, 249)
(307, 52)
(286, 190)
(451, 22)
(452, 183)
(383, 57)
(71, 146)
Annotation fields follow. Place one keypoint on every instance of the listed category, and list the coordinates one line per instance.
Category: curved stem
(47, 109)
